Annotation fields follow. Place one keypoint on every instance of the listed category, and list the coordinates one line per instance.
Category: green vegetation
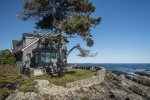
(64, 19)
(72, 17)
(26, 84)
(4, 93)
(10, 77)
(8, 73)
(74, 75)
(7, 57)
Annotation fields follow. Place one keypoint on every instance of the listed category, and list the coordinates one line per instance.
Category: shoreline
(116, 85)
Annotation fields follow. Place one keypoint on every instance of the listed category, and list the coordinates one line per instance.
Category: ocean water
(128, 68)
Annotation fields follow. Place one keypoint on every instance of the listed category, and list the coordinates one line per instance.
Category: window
(28, 55)
(57, 55)
(43, 56)
(36, 57)
(48, 57)
(64, 55)
(53, 55)
(35, 45)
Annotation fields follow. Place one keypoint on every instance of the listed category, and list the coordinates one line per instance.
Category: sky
(123, 36)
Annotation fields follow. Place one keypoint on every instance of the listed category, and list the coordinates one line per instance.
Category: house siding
(25, 58)
(29, 40)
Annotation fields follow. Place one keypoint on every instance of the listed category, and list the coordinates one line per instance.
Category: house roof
(33, 41)
(30, 44)
(15, 42)
(31, 35)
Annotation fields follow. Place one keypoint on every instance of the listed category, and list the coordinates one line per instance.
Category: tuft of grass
(8, 69)
(26, 84)
(76, 74)
(71, 76)
(8, 76)
(8, 73)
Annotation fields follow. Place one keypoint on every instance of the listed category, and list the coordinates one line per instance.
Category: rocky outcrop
(143, 73)
(24, 96)
(47, 90)
(88, 81)
(115, 87)
(139, 79)
(103, 86)
(144, 80)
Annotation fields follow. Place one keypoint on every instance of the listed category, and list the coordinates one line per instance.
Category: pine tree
(72, 17)
(66, 18)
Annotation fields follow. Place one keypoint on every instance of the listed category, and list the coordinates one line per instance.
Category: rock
(143, 73)
(32, 96)
(38, 72)
(24, 96)
(143, 80)
(97, 79)
(132, 87)
(50, 90)
(9, 85)
(68, 68)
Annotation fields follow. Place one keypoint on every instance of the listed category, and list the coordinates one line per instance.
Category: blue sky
(122, 37)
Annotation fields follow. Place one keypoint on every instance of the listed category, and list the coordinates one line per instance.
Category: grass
(8, 69)
(4, 93)
(74, 75)
(10, 74)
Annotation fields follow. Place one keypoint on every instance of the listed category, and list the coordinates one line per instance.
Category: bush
(7, 57)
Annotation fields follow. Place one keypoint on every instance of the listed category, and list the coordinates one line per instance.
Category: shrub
(7, 57)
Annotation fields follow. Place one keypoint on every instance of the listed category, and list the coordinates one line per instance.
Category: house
(37, 51)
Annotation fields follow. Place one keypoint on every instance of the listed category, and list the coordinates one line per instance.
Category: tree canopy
(7, 57)
(72, 17)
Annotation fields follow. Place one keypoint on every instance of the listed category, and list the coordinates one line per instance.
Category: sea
(129, 68)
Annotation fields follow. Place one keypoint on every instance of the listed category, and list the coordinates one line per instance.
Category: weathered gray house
(36, 51)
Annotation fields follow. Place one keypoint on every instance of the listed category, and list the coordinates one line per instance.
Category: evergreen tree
(65, 18)
(72, 17)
